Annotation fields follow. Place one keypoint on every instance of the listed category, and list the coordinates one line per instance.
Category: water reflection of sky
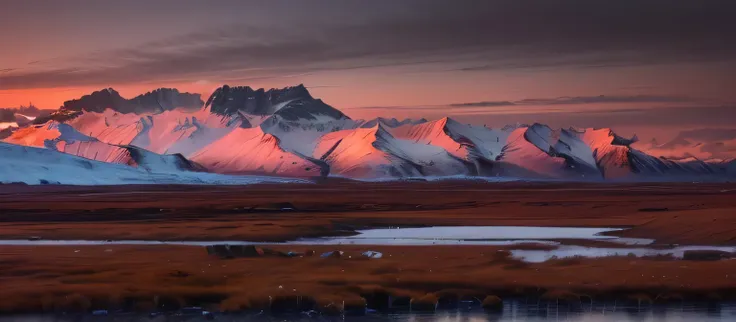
(513, 311)
(448, 235)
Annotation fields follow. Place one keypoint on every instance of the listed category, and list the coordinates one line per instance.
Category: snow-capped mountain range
(240, 132)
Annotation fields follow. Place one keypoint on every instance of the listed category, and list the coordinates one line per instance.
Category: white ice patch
(29, 118)
(568, 251)
(487, 232)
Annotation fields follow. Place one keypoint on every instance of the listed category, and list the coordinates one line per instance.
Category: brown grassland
(47, 278)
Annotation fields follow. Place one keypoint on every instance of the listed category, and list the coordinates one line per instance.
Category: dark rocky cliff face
(291, 103)
(163, 99)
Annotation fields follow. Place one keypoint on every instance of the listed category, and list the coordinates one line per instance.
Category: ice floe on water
(569, 251)
(473, 235)
(485, 233)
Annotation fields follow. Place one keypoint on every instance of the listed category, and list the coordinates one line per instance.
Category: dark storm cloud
(482, 35)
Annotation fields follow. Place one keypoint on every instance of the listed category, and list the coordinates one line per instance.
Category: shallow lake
(472, 235)
(447, 235)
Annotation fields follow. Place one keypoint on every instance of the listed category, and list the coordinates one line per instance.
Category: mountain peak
(292, 103)
(620, 140)
(155, 101)
(607, 134)
(449, 122)
(97, 101)
(378, 131)
(390, 122)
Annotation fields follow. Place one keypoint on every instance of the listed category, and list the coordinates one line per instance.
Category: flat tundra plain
(66, 278)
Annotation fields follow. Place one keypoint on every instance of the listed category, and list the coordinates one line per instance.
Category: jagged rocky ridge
(290, 103)
(162, 99)
(287, 132)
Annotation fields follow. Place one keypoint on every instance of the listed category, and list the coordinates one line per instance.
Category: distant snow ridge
(374, 152)
(529, 150)
(302, 136)
(618, 160)
(250, 151)
(476, 145)
(64, 138)
(288, 133)
(29, 165)
(392, 122)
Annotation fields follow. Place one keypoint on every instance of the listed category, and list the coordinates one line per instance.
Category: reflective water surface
(473, 235)
(515, 311)
(447, 235)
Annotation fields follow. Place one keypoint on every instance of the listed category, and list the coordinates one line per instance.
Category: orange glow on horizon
(53, 98)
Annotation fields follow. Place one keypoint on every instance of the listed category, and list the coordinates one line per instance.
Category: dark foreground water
(600, 312)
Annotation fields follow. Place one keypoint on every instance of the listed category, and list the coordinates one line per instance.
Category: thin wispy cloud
(639, 118)
(323, 86)
(708, 134)
(484, 104)
(563, 100)
(603, 99)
